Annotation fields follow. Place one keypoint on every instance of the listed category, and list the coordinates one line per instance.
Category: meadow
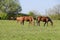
(11, 30)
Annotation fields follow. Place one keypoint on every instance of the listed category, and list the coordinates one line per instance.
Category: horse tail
(50, 21)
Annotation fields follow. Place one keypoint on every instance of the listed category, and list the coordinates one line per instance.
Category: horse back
(19, 18)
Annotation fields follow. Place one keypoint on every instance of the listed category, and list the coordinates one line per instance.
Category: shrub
(3, 15)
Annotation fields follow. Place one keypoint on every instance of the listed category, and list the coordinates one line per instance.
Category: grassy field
(11, 30)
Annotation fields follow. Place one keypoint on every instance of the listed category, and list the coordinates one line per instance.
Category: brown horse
(44, 19)
(29, 19)
(20, 19)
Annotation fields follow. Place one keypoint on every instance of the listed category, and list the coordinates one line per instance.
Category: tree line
(12, 8)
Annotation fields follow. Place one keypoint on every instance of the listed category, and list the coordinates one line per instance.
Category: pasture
(11, 30)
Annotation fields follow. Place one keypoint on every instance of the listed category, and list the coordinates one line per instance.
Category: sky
(37, 5)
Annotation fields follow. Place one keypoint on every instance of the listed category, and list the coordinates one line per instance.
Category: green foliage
(3, 15)
(31, 13)
(11, 7)
(55, 16)
(54, 12)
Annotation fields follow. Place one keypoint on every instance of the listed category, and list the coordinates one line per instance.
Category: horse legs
(47, 23)
(22, 22)
(30, 23)
(33, 23)
(44, 23)
(38, 23)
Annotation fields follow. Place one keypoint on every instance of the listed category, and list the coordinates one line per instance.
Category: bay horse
(29, 19)
(45, 19)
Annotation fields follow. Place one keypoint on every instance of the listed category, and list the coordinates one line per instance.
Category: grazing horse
(20, 19)
(44, 19)
(29, 19)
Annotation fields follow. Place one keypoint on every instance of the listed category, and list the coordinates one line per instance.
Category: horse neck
(51, 22)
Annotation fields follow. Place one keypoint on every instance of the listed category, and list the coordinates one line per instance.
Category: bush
(3, 15)
(55, 17)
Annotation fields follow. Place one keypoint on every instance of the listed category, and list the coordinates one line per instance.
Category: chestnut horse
(29, 19)
(20, 19)
(44, 19)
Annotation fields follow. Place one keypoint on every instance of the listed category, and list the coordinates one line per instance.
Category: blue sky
(37, 5)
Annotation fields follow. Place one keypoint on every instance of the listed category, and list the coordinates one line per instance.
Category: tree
(34, 13)
(11, 7)
(54, 12)
(31, 13)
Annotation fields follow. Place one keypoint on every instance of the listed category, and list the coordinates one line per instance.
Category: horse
(20, 19)
(45, 19)
(29, 19)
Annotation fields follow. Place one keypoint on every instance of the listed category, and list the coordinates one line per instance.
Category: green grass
(11, 30)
